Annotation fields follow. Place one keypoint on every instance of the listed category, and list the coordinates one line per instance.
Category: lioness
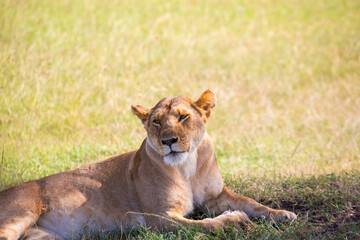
(173, 171)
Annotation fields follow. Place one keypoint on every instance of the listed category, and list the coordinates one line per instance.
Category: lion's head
(176, 125)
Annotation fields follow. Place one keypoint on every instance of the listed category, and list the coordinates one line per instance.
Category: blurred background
(286, 74)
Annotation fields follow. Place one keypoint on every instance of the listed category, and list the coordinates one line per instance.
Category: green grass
(328, 207)
(286, 75)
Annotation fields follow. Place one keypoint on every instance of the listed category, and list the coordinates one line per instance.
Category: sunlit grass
(286, 74)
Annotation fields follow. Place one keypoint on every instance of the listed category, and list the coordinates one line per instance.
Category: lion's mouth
(174, 153)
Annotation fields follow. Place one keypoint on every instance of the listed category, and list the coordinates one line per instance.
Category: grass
(328, 207)
(286, 74)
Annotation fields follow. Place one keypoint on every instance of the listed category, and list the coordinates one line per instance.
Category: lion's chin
(176, 158)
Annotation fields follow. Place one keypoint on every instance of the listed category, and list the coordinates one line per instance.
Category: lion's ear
(141, 112)
(206, 103)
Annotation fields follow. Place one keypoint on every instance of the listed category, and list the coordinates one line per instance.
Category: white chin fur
(174, 159)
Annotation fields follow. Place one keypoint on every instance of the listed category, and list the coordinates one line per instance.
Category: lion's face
(176, 125)
(175, 129)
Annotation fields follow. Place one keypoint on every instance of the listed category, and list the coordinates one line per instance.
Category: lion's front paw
(234, 217)
(281, 215)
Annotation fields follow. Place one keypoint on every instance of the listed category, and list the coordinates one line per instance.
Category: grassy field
(286, 75)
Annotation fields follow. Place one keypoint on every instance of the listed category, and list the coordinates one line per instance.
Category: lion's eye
(183, 117)
(156, 122)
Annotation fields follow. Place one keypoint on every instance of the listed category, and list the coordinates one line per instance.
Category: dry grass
(286, 74)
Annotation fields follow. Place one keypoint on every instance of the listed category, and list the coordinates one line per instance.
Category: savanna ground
(286, 126)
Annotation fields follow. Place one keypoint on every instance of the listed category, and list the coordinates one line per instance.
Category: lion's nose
(169, 141)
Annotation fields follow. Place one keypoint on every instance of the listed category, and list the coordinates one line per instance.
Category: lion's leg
(39, 233)
(175, 221)
(14, 227)
(228, 200)
(20, 207)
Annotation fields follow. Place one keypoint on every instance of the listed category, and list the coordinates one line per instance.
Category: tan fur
(174, 171)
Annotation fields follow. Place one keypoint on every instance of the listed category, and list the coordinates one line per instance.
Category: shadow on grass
(328, 207)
